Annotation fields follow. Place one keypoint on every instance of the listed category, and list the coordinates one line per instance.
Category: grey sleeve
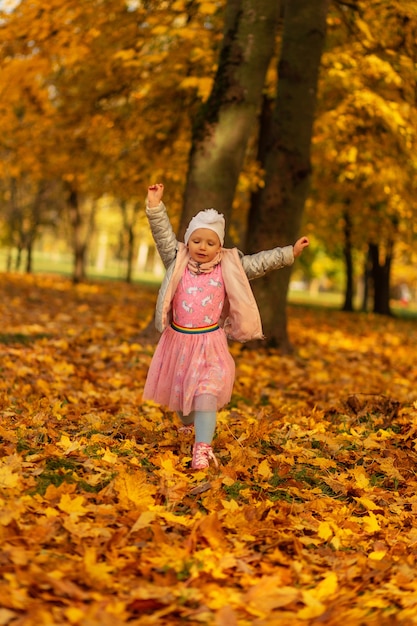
(162, 232)
(256, 265)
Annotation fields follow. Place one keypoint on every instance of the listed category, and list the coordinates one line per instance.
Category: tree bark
(380, 273)
(276, 211)
(34, 224)
(347, 253)
(81, 231)
(226, 121)
(367, 267)
(129, 232)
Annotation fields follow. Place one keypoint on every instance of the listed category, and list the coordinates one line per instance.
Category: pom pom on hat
(209, 218)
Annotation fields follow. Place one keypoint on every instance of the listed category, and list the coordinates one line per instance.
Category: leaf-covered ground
(310, 518)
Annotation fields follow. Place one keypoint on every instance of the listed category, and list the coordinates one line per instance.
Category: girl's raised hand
(155, 193)
(299, 246)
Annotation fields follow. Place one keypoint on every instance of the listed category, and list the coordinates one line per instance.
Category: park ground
(309, 519)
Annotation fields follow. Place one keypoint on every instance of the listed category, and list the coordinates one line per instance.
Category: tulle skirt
(191, 371)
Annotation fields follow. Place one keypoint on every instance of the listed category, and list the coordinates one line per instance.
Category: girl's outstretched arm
(299, 246)
(155, 193)
(162, 232)
(258, 264)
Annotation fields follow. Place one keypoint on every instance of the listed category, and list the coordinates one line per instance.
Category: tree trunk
(381, 271)
(276, 212)
(226, 121)
(265, 129)
(78, 240)
(29, 256)
(130, 246)
(129, 231)
(347, 253)
(34, 224)
(18, 260)
(366, 281)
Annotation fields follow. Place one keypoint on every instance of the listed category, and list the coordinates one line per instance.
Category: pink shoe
(202, 455)
(186, 430)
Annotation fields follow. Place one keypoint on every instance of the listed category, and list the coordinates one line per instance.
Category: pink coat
(240, 317)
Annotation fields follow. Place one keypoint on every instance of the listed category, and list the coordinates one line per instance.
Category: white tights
(204, 424)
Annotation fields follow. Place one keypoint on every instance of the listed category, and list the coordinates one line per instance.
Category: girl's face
(203, 245)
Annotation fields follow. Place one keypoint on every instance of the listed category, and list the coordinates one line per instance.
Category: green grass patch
(8, 339)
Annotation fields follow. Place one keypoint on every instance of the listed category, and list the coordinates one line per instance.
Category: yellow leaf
(143, 521)
(174, 519)
(125, 55)
(367, 504)
(50, 512)
(325, 531)
(326, 587)
(314, 608)
(264, 470)
(179, 5)
(61, 368)
(322, 462)
(74, 615)
(361, 477)
(43, 386)
(110, 457)
(134, 488)
(377, 555)
(371, 523)
(189, 81)
(352, 154)
(208, 8)
(159, 29)
(270, 593)
(72, 505)
(230, 505)
(167, 464)
(85, 529)
(67, 445)
(387, 466)
(97, 571)
(363, 26)
(19, 556)
(8, 479)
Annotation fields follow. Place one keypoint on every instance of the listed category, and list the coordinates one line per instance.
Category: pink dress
(193, 371)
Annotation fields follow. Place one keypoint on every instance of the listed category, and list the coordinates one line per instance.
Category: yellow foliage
(365, 132)
(132, 488)
(309, 516)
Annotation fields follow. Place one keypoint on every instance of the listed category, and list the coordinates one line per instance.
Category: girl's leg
(187, 420)
(205, 425)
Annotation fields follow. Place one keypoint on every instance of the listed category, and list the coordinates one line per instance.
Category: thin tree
(277, 209)
(348, 257)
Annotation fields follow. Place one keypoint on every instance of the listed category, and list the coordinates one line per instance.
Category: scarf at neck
(204, 268)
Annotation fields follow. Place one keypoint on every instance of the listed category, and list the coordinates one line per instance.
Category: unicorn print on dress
(215, 283)
(192, 290)
(205, 301)
(186, 307)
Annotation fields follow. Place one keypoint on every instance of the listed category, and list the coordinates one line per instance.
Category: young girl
(205, 298)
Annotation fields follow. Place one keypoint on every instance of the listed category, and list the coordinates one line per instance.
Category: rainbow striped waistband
(194, 331)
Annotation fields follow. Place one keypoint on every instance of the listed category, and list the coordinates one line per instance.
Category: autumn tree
(22, 216)
(277, 209)
(225, 121)
(79, 87)
(364, 146)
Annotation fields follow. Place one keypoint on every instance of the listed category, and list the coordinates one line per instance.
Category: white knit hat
(209, 218)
